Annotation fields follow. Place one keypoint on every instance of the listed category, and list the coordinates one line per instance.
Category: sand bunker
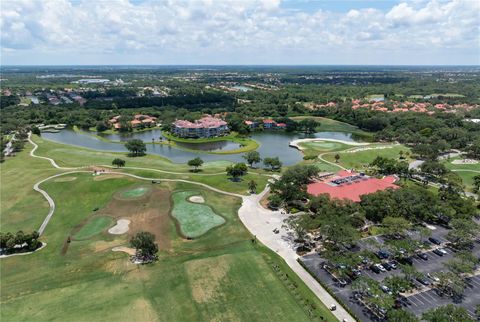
(120, 228)
(196, 199)
(465, 161)
(128, 250)
(65, 179)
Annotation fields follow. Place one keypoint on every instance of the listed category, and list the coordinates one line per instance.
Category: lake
(272, 144)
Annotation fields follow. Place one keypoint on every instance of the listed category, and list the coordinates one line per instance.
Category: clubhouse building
(349, 185)
(206, 127)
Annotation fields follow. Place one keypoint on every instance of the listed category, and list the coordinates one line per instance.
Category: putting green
(93, 227)
(194, 219)
(135, 193)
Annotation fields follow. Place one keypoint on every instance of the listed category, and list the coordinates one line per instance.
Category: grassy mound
(135, 193)
(195, 219)
(93, 227)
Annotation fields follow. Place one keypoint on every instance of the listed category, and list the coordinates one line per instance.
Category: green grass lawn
(215, 277)
(194, 219)
(71, 156)
(21, 207)
(329, 125)
(361, 159)
(94, 226)
(466, 173)
(135, 192)
(247, 144)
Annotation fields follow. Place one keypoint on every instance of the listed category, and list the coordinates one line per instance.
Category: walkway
(261, 223)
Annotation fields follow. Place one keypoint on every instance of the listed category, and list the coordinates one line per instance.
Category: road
(261, 223)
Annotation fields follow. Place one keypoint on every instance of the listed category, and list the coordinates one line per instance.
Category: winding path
(261, 222)
(258, 220)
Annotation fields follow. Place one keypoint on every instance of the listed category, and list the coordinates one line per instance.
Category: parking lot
(427, 300)
(424, 297)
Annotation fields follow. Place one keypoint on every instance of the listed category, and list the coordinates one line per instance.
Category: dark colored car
(393, 264)
(434, 241)
(438, 252)
(387, 266)
(423, 256)
(375, 269)
(406, 260)
(383, 254)
(423, 280)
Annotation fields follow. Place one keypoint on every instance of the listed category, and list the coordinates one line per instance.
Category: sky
(239, 32)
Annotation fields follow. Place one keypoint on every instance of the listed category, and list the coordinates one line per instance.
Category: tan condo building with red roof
(206, 127)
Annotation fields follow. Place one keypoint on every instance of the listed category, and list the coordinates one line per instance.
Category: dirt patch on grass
(206, 276)
(148, 213)
(66, 243)
(143, 311)
(128, 250)
(107, 177)
(65, 179)
(264, 201)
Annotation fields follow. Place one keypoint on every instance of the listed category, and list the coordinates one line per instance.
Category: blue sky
(410, 32)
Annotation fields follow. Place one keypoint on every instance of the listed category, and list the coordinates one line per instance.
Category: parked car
(438, 252)
(386, 289)
(406, 260)
(341, 282)
(423, 256)
(387, 266)
(382, 254)
(433, 277)
(423, 280)
(435, 241)
(375, 269)
(381, 267)
(444, 252)
(394, 264)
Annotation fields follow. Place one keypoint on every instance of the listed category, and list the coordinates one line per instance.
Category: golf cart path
(258, 220)
(261, 222)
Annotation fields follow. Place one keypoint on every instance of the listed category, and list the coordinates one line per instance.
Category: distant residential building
(139, 120)
(205, 127)
(269, 124)
(251, 124)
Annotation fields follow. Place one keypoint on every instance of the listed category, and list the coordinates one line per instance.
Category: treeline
(195, 101)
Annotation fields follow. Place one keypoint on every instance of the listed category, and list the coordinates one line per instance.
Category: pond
(156, 134)
(272, 144)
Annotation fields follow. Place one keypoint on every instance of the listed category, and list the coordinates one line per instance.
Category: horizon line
(242, 65)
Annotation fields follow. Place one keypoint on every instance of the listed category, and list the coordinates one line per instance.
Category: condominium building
(205, 127)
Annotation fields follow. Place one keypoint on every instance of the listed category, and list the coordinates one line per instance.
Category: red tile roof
(354, 190)
(204, 122)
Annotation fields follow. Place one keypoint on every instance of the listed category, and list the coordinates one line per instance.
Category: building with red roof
(205, 127)
(350, 185)
(269, 123)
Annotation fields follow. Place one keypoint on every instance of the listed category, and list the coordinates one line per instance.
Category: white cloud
(232, 31)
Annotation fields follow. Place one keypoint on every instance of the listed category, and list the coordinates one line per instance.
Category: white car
(433, 277)
(380, 267)
(443, 251)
